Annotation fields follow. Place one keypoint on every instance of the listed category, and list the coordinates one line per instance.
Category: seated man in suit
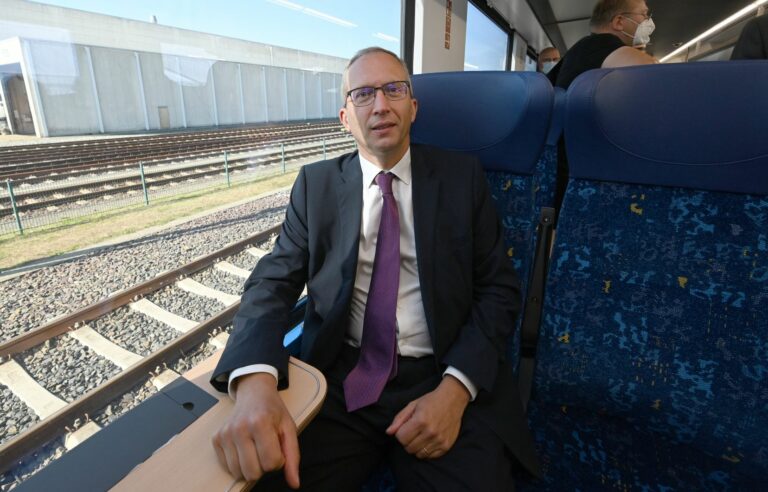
(411, 302)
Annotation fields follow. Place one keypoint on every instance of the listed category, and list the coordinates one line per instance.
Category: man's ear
(343, 117)
(415, 109)
(617, 23)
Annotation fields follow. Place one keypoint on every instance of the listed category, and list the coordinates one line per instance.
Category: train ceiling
(677, 21)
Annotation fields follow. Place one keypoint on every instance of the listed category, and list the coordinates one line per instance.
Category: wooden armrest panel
(188, 461)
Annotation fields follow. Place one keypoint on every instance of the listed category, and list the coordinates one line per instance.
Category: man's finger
(268, 450)
(401, 418)
(233, 463)
(290, 446)
(248, 459)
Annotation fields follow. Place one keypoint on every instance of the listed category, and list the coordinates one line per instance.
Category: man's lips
(382, 126)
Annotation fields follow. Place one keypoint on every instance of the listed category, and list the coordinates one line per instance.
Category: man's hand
(260, 436)
(428, 426)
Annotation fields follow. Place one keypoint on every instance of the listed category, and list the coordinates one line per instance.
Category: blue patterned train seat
(546, 168)
(652, 362)
(502, 118)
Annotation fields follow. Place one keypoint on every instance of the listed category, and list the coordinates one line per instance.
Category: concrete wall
(118, 89)
(23, 19)
(61, 76)
(227, 82)
(85, 90)
(160, 89)
(254, 93)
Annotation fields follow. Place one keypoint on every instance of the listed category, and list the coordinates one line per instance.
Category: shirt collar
(402, 169)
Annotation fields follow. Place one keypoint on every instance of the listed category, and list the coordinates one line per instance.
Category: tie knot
(384, 180)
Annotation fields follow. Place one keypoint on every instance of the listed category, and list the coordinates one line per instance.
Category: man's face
(548, 55)
(636, 12)
(381, 128)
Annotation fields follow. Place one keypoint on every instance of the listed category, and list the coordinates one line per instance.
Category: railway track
(38, 158)
(57, 408)
(81, 191)
(52, 175)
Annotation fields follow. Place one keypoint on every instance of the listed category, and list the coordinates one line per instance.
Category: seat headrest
(693, 125)
(501, 117)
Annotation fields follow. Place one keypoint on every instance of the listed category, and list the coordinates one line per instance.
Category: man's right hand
(260, 436)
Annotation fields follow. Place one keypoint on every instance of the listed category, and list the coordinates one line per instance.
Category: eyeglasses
(394, 91)
(645, 16)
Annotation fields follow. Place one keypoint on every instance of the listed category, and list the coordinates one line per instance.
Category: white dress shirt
(413, 339)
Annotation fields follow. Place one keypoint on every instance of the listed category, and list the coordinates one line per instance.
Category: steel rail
(62, 324)
(194, 172)
(17, 153)
(44, 431)
(126, 154)
(65, 172)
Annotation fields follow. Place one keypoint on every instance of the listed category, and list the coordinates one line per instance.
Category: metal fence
(54, 199)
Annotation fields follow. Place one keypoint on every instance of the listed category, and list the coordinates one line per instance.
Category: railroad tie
(231, 269)
(258, 253)
(220, 340)
(165, 378)
(73, 439)
(154, 311)
(105, 348)
(36, 397)
(197, 288)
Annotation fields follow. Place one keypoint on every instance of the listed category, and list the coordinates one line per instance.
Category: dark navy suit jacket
(470, 292)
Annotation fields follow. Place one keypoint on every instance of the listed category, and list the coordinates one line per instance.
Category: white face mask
(547, 66)
(642, 33)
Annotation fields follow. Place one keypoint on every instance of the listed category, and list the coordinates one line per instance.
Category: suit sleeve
(270, 293)
(481, 344)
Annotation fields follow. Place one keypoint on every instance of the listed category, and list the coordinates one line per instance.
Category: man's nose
(380, 101)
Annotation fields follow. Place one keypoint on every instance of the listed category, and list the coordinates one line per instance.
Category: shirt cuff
(463, 379)
(244, 371)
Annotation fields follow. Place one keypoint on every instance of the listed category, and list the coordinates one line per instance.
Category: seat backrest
(656, 313)
(546, 167)
(502, 118)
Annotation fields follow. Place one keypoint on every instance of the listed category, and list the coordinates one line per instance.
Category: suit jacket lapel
(426, 193)
(349, 194)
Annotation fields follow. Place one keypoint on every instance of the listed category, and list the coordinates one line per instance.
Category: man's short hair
(360, 54)
(606, 10)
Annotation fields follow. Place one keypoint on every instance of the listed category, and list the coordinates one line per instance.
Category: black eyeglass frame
(647, 16)
(383, 91)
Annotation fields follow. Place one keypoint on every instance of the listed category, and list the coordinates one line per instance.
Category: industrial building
(87, 73)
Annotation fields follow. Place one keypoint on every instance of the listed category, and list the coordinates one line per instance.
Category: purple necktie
(378, 348)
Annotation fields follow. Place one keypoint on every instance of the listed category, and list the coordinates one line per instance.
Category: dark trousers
(340, 450)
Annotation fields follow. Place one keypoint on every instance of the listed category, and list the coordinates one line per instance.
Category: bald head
(548, 58)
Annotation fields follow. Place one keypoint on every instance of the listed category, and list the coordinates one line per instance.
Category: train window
(518, 54)
(109, 67)
(486, 45)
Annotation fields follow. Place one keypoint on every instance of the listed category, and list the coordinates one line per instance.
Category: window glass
(108, 67)
(486, 46)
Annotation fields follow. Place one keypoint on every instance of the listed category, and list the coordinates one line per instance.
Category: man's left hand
(428, 426)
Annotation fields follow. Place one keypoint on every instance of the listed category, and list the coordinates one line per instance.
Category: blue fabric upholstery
(654, 125)
(503, 119)
(546, 167)
(652, 363)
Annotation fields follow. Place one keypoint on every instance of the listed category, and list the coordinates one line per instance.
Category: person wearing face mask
(548, 58)
(619, 29)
